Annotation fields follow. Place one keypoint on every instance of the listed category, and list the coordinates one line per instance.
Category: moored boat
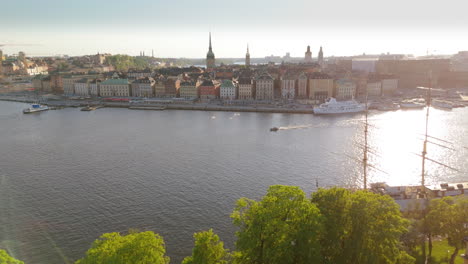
(388, 107)
(331, 106)
(35, 108)
(440, 104)
(88, 108)
(413, 104)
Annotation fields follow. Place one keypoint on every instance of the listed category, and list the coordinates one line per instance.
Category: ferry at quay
(332, 106)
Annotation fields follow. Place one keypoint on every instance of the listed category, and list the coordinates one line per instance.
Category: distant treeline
(333, 226)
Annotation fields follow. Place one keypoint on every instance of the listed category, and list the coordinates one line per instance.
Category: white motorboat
(413, 104)
(445, 105)
(331, 106)
(35, 108)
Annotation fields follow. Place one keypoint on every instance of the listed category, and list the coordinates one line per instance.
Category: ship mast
(366, 130)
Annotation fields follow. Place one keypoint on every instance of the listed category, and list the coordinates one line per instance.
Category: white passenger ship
(331, 106)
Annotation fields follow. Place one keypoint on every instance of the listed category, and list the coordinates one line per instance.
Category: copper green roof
(227, 83)
(115, 82)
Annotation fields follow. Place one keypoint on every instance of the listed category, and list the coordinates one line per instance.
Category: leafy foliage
(448, 217)
(208, 249)
(281, 228)
(7, 259)
(361, 227)
(137, 248)
(125, 62)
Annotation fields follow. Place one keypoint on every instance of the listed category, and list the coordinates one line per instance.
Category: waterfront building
(56, 83)
(246, 88)
(208, 90)
(46, 84)
(308, 55)
(227, 90)
(210, 57)
(374, 88)
(159, 86)
(321, 86)
(345, 89)
(389, 86)
(188, 89)
(81, 87)
(264, 87)
(143, 87)
(302, 82)
(171, 86)
(69, 85)
(247, 57)
(37, 82)
(414, 73)
(320, 57)
(288, 86)
(94, 86)
(115, 87)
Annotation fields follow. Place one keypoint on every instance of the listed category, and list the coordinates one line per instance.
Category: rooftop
(115, 82)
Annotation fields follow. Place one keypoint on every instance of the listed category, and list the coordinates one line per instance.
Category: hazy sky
(179, 28)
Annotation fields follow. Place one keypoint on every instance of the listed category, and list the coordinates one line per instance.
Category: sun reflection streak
(397, 140)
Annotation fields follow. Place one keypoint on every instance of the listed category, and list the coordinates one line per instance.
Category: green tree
(334, 205)
(125, 62)
(7, 259)
(282, 228)
(208, 249)
(449, 218)
(360, 227)
(136, 248)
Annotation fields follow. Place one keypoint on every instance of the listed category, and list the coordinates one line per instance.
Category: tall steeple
(247, 57)
(210, 42)
(210, 57)
(308, 55)
(320, 56)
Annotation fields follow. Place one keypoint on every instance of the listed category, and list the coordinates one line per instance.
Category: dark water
(68, 176)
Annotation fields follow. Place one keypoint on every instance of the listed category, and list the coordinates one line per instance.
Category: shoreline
(160, 107)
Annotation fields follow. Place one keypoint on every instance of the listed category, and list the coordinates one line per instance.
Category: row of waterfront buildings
(247, 84)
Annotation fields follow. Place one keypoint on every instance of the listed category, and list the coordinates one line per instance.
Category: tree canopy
(208, 249)
(282, 228)
(125, 62)
(449, 218)
(7, 259)
(360, 227)
(136, 248)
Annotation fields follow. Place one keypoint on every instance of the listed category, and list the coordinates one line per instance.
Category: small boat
(35, 108)
(413, 104)
(464, 97)
(440, 104)
(88, 108)
(388, 107)
(274, 129)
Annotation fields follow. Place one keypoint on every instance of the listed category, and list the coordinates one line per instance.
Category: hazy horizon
(180, 29)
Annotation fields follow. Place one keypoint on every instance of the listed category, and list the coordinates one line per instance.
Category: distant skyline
(179, 28)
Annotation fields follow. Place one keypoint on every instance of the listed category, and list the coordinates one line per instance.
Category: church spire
(210, 40)
(210, 57)
(247, 57)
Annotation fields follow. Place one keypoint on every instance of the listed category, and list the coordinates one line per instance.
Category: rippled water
(68, 176)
